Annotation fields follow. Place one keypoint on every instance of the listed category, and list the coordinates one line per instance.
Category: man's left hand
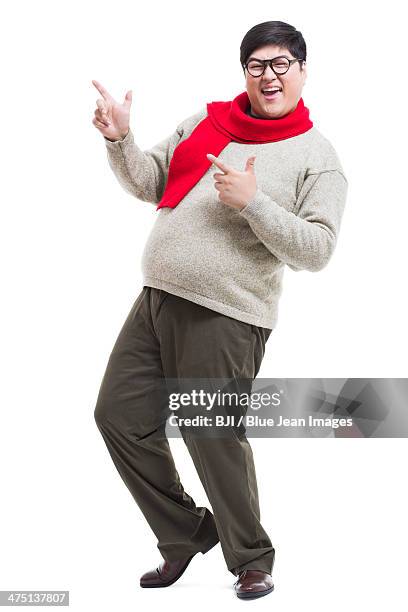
(236, 189)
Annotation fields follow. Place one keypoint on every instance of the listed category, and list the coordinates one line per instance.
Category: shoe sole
(166, 584)
(254, 595)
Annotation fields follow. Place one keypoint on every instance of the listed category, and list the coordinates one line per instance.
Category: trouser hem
(199, 543)
(213, 542)
(264, 564)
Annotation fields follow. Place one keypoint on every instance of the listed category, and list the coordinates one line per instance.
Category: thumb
(128, 99)
(249, 166)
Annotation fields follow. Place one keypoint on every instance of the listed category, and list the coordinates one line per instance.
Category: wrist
(121, 137)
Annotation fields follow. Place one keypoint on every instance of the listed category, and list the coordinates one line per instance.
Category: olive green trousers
(168, 337)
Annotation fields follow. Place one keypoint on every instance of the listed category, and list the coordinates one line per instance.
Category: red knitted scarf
(226, 122)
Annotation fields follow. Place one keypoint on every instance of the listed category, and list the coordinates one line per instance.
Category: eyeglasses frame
(269, 61)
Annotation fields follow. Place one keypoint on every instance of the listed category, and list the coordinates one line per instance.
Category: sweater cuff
(115, 144)
(257, 205)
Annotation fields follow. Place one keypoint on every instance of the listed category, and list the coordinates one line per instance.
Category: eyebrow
(260, 60)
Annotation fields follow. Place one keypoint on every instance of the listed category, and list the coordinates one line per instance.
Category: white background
(71, 243)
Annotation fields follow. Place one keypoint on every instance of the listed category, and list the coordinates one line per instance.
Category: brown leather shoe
(253, 583)
(165, 574)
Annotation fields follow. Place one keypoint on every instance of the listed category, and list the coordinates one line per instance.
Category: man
(212, 268)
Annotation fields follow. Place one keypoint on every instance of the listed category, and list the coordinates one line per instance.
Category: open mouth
(270, 93)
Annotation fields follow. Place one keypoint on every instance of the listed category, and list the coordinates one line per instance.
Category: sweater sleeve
(305, 239)
(143, 174)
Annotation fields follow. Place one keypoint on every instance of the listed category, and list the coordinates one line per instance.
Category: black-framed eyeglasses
(279, 65)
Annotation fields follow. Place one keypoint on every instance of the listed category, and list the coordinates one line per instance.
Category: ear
(304, 71)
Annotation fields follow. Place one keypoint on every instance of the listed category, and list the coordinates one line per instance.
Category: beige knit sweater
(228, 260)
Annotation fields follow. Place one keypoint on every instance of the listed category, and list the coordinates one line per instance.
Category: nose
(269, 73)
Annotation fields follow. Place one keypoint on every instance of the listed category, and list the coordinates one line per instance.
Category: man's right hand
(111, 117)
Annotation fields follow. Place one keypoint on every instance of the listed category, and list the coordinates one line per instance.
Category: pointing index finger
(104, 92)
(218, 163)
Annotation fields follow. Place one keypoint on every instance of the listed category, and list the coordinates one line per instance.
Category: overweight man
(241, 189)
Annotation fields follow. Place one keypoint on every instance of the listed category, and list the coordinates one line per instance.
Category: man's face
(291, 83)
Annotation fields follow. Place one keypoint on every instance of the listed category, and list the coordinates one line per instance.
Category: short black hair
(273, 33)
